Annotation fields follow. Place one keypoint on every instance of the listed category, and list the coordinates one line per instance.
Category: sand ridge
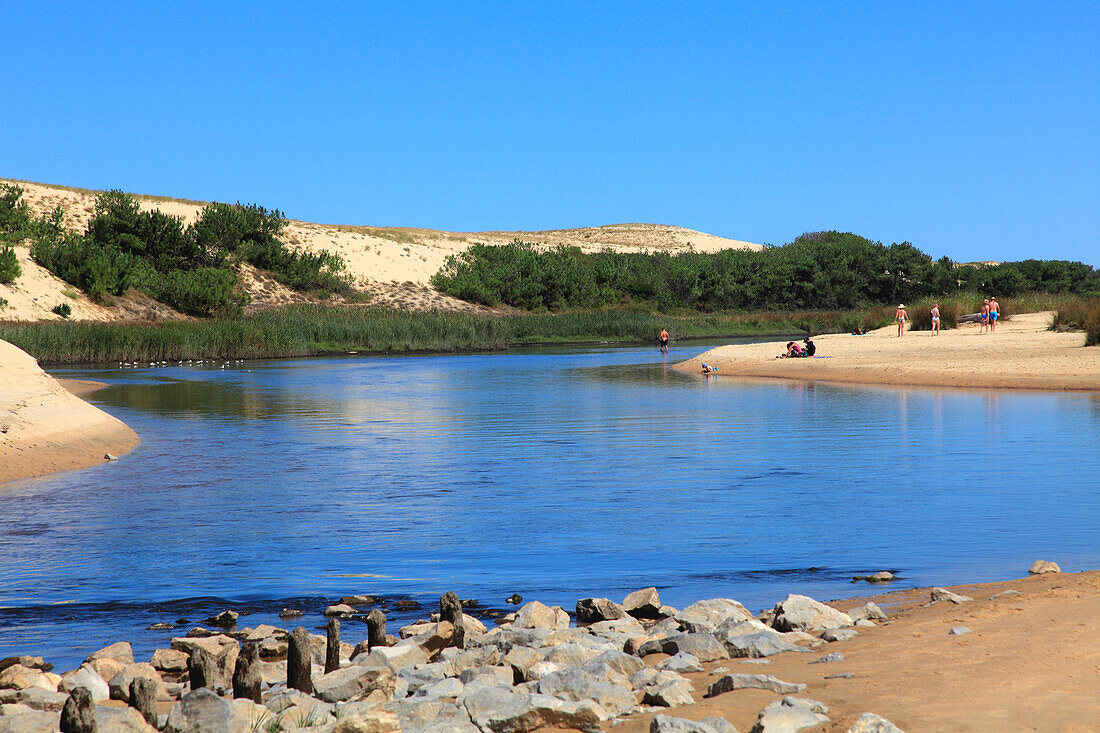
(394, 265)
(45, 428)
(1023, 353)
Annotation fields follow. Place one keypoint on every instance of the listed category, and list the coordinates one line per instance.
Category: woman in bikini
(900, 316)
(936, 319)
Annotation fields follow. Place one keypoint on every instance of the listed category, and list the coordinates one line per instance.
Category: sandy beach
(45, 427)
(1030, 663)
(1022, 354)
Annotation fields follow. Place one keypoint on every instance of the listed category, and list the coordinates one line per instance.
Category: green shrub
(9, 264)
(100, 270)
(920, 314)
(1083, 314)
(64, 310)
(204, 291)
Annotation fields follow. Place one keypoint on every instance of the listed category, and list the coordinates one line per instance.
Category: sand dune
(1023, 353)
(393, 264)
(46, 428)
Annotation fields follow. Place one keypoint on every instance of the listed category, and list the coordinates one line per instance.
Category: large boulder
(88, 678)
(593, 610)
(867, 612)
(535, 615)
(395, 658)
(746, 640)
(23, 719)
(575, 685)
(644, 603)
(18, 677)
(666, 724)
(730, 682)
(938, 595)
(789, 715)
(707, 616)
(40, 699)
(355, 683)
(430, 715)
(669, 692)
(802, 613)
(1040, 567)
(120, 720)
(170, 661)
(120, 651)
(501, 710)
(703, 647)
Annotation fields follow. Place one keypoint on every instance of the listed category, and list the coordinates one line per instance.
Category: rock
(959, 631)
(434, 639)
(291, 613)
(866, 623)
(746, 661)
(428, 715)
(359, 600)
(515, 599)
(868, 611)
(247, 674)
(223, 651)
(142, 697)
(160, 626)
(669, 693)
(172, 661)
(1005, 594)
(119, 685)
(619, 662)
(40, 699)
(498, 675)
(406, 604)
(708, 616)
(574, 685)
(120, 651)
(732, 682)
(763, 643)
(942, 594)
(224, 620)
(371, 721)
(376, 629)
(473, 626)
(789, 715)
(106, 668)
(1043, 566)
(355, 683)
(449, 687)
(22, 719)
(871, 723)
(200, 633)
(681, 662)
(27, 661)
(879, 577)
(617, 627)
(395, 658)
(834, 657)
(839, 676)
(78, 714)
(839, 634)
(18, 677)
(802, 613)
(594, 610)
(504, 711)
(87, 678)
(299, 661)
(199, 711)
(479, 656)
(340, 609)
(535, 615)
(666, 724)
(121, 720)
(644, 603)
(569, 655)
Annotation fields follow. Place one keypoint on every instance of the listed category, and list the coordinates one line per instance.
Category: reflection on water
(554, 473)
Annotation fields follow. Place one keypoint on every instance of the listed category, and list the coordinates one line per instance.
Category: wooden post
(299, 662)
(332, 648)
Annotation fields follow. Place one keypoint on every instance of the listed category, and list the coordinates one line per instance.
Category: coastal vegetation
(304, 330)
(1081, 314)
(820, 270)
(189, 267)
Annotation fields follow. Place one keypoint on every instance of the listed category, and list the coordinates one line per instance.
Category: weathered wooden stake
(78, 715)
(143, 698)
(299, 661)
(332, 648)
(450, 609)
(376, 628)
(200, 669)
(247, 680)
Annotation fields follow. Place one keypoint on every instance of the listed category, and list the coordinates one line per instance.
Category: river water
(555, 473)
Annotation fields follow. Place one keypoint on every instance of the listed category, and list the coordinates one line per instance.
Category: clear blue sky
(969, 129)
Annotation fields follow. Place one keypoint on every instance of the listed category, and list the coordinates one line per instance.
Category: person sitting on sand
(810, 348)
(994, 312)
(708, 369)
(985, 315)
(858, 331)
(663, 338)
(936, 319)
(900, 316)
(794, 351)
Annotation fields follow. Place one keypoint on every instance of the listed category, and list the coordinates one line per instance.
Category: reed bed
(1083, 314)
(307, 330)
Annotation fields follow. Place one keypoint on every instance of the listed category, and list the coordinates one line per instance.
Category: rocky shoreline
(449, 672)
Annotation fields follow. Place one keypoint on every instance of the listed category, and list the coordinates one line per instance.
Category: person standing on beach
(935, 319)
(900, 316)
(985, 315)
(994, 313)
(663, 338)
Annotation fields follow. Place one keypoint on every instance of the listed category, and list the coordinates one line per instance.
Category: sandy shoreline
(1022, 354)
(45, 427)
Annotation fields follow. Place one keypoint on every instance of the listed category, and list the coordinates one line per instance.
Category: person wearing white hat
(900, 316)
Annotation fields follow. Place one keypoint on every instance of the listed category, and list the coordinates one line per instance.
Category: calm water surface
(555, 473)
